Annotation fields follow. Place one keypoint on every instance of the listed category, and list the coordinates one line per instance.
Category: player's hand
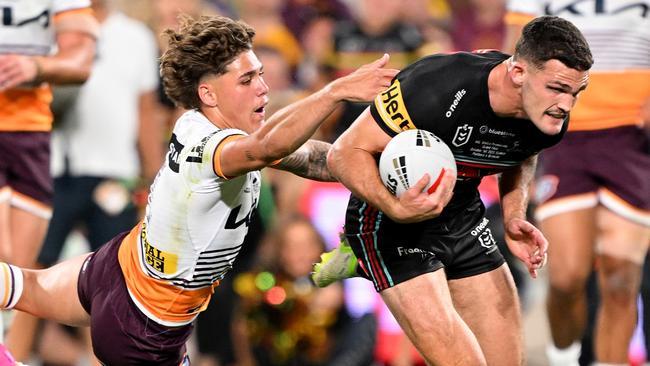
(416, 204)
(16, 70)
(527, 243)
(365, 83)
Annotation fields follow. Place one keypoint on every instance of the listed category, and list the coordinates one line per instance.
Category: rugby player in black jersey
(496, 112)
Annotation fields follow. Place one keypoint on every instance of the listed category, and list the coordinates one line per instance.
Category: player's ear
(207, 94)
(516, 71)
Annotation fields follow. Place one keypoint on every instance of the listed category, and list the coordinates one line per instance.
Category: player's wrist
(38, 69)
(335, 91)
(396, 211)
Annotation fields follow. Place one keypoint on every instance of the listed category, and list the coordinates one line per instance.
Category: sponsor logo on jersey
(10, 19)
(462, 135)
(196, 154)
(574, 8)
(457, 97)
(485, 129)
(160, 261)
(174, 154)
(392, 109)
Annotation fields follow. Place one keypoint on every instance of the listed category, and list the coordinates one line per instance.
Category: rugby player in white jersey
(141, 291)
(603, 190)
(42, 42)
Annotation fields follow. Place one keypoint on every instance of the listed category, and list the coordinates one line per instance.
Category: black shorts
(75, 203)
(461, 242)
(25, 164)
(121, 334)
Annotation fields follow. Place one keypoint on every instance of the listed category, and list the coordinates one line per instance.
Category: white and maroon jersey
(618, 33)
(28, 27)
(194, 226)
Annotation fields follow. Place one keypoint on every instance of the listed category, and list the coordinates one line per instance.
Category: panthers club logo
(462, 135)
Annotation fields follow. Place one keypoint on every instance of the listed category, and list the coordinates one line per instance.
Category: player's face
(300, 248)
(549, 94)
(241, 93)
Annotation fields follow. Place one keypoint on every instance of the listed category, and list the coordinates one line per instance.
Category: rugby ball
(411, 154)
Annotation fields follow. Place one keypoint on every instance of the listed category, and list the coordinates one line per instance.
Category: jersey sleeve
(197, 163)
(415, 95)
(407, 103)
(390, 112)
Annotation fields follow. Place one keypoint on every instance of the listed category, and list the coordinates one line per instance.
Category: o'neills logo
(457, 97)
(392, 109)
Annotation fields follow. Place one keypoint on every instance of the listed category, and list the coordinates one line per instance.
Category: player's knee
(620, 280)
(569, 285)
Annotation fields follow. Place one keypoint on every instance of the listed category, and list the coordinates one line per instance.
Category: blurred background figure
(433, 18)
(376, 28)
(106, 145)
(478, 24)
(594, 188)
(163, 14)
(266, 17)
(284, 319)
(40, 43)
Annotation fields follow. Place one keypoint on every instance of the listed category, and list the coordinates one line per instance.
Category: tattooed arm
(309, 161)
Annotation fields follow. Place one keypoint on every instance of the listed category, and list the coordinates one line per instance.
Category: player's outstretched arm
(309, 161)
(352, 161)
(290, 127)
(524, 240)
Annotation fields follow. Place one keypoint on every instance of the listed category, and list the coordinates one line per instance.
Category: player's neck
(504, 95)
(214, 116)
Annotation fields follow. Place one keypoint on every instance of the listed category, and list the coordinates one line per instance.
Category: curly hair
(202, 46)
(552, 38)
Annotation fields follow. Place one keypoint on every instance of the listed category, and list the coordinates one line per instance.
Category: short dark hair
(202, 46)
(553, 38)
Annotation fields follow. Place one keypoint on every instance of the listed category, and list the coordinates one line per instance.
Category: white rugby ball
(411, 154)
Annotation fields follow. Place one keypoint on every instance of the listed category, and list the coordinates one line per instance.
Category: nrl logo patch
(462, 135)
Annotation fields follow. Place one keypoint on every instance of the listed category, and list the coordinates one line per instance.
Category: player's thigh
(571, 237)
(488, 303)
(28, 229)
(622, 238)
(5, 239)
(424, 309)
(52, 293)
